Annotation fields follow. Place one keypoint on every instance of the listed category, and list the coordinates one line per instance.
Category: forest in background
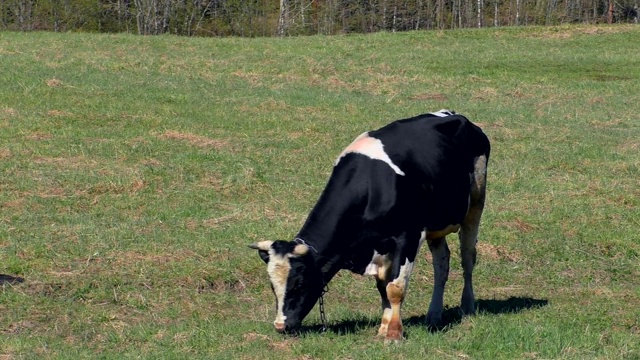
(251, 18)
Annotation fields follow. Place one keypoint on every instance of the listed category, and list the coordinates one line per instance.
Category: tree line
(300, 17)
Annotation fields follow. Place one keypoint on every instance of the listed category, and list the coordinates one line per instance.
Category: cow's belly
(435, 234)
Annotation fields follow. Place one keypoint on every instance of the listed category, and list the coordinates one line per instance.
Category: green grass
(134, 170)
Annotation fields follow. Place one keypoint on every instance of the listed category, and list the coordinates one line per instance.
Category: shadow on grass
(8, 279)
(453, 316)
(450, 316)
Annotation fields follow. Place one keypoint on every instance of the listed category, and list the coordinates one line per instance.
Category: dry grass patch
(102, 188)
(213, 181)
(429, 96)
(73, 162)
(251, 77)
(19, 328)
(485, 94)
(37, 288)
(496, 252)
(194, 140)
(58, 113)
(627, 147)
(219, 221)
(518, 225)
(5, 153)
(606, 124)
(570, 31)
(13, 204)
(9, 112)
(125, 259)
(38, 136)
(273, 105)
(336, 84)
(54, 82)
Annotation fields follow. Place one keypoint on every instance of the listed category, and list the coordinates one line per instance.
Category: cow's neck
(329, 230)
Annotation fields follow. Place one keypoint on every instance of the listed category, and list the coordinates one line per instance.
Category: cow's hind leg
(469, 233)
(440, 254)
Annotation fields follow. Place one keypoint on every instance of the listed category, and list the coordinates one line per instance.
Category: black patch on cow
(282, 247)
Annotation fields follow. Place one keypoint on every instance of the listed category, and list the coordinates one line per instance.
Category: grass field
(135, 170)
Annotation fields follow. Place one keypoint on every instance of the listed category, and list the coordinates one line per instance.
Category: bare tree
(283, 19)
(153, 16)
(22, 11)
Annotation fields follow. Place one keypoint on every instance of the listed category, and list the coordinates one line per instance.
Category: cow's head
(296, 281)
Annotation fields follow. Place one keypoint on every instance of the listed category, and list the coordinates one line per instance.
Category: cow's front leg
(440, 254)
(396, 291)
(393, 287)
(392, 294)
(392, 271)
(381, 284)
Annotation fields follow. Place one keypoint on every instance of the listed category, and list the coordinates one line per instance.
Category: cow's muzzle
(283, 328)
(280, 327)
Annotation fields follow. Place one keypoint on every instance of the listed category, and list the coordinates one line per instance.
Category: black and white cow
(414, 179)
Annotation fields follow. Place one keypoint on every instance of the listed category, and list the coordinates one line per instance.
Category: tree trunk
(395, 16)
(283, 19)
(165, 17)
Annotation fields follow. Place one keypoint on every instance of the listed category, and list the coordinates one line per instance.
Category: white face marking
(278, 269)
(371, 147)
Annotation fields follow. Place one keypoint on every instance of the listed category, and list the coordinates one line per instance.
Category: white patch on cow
(371, 147)
(443, 113)
(405, 273)
(378, 266)
(278, 269)
(480, 170)
(387, 314)
(405, 270)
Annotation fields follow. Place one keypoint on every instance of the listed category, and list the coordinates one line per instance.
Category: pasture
(135, 170)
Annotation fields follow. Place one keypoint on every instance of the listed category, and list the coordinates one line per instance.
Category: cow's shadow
(10, 279)
(450, 316)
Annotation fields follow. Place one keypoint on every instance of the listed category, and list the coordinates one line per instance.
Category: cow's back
(436, 155)
(427, 146)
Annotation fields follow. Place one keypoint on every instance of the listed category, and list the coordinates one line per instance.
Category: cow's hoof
(468, 305)
(394, 332)
(382, 330)
(393, 337)
(468, 309)
(434, 319)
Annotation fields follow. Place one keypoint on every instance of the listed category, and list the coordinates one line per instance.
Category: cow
(415, 179)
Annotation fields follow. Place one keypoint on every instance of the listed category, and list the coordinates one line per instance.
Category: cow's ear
(263, 249)
(262, 245)
(264, 255)
(300, 250)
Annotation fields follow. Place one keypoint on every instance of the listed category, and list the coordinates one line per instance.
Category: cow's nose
(280, 327)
